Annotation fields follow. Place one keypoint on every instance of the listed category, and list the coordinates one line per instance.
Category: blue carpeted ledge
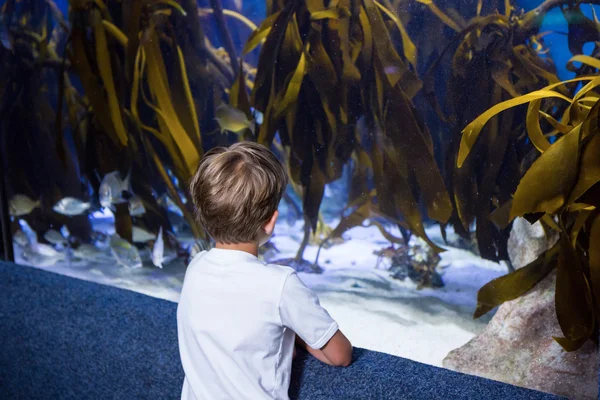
(64, 338)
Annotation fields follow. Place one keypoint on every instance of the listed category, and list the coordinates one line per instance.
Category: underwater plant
(561, 189)
(333, 87)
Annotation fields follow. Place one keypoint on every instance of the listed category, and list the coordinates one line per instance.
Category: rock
(527, 241)
(517, 347)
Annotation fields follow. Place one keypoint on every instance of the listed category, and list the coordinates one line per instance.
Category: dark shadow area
(64, 338)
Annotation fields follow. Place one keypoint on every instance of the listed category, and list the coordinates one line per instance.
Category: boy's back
(237, 319)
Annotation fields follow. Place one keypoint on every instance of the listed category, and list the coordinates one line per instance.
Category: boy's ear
(270, 225)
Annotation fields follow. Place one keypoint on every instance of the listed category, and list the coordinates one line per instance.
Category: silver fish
(233, 120)
(20, 238)
(159, 255)
(90, 253)
(170, 205)
(238, 4)
(136, 207)
(70, 206)
(55, 237)
(42, 255)
(112, 188)
(141, 235)
(124, 252)
(20, 205)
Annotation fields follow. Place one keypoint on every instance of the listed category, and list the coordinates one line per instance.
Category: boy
(237, 317)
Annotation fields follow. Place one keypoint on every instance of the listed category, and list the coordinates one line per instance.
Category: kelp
(560, 186)
(493, 58)
(334, 86)
(144, 98)
(41, 165)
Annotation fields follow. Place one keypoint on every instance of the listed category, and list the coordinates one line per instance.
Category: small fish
(233, 120)
(91, 253)
(124, 252)
(170, 205)
(55, 237)
(258, 117)
(70, 206)
(136, 207)
(238, 4)
(159, 256)
(42, 255)
(20, 238)
(20, 205)
(141, 235)
(112, 189)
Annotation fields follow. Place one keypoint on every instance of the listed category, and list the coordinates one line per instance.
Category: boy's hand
(337, 352)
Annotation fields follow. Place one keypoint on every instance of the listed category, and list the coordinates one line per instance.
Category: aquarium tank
(443, 156)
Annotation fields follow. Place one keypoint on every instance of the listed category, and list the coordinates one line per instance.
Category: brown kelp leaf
(547, 185)
(166, 112)
(410, 50)
(573, 298)
(391, 238)
(589, 168)
(187, 91)
(392, 64)
(534, 131)
(355, 218)
(290, 95)
(515, 284)
(472, 130)
(595, 257)
(238, 97)
(409, 136)
(132, 13)
(501, 215)
(105, 69)
(90, 83)
(261, 33)
(313, 195)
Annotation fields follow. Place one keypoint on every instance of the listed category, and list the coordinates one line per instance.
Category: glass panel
(439, 165)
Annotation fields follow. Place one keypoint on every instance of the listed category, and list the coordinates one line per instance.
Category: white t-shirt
(236, 322)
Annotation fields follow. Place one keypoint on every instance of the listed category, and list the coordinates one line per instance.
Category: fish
(20, 238)
(55, 237)
(170, 205)
(20, 205)
(112, 189)
(141, 235)
(238, 4)
(71, 206)
(258, 117)
(42, 255)
(233, 120)
(159, 255)
(136, 207)
(124, 252)
(89, 252)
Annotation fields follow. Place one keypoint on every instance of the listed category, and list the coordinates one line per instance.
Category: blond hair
(236, 190)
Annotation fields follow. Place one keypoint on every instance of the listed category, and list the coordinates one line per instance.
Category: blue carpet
(64, 338)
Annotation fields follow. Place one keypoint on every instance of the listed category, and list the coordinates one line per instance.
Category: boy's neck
(251, 248)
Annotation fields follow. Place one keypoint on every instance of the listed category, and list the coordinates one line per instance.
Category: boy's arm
(337, 352)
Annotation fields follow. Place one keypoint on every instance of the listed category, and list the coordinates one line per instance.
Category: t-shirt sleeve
(301, 311)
